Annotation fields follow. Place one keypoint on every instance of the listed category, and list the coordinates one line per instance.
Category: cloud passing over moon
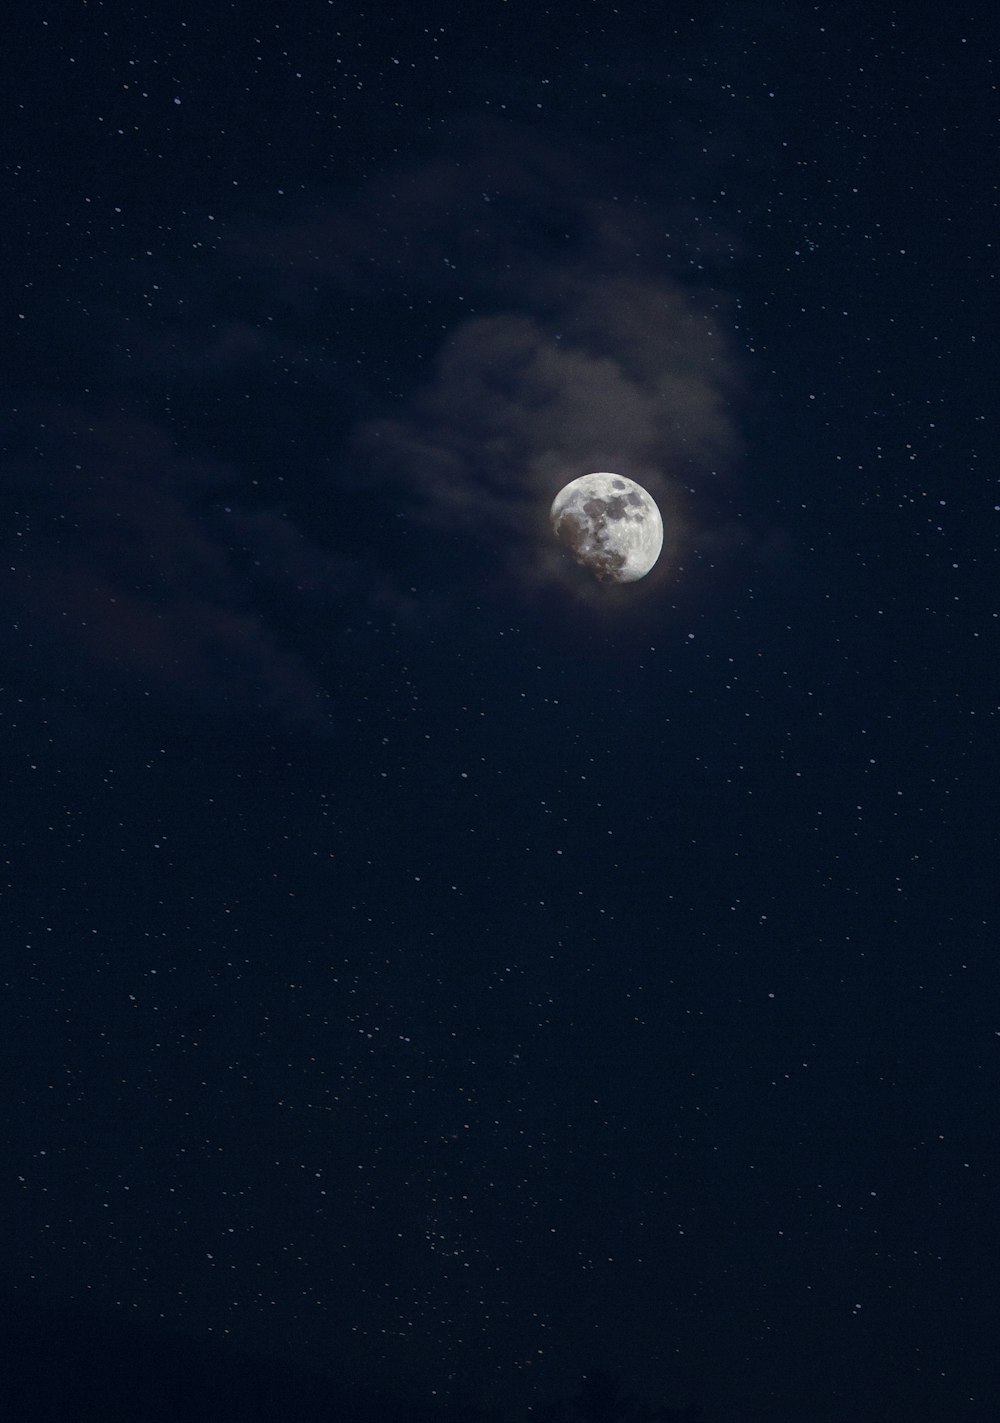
(362, 406)
(598, 358)
(609, 525)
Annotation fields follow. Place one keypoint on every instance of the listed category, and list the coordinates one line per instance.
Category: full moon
(610, 525)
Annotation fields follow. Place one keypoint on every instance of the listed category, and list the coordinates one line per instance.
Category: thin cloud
(597, 358)
(125, 578)
(424, 362)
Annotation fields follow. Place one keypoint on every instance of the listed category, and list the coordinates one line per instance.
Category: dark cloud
(124, 577)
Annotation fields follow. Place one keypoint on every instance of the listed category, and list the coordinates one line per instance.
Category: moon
(610, 525)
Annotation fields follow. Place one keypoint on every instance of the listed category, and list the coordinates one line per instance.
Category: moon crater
(610, 525)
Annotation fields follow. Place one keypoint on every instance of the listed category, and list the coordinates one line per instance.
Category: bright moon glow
(610, 525)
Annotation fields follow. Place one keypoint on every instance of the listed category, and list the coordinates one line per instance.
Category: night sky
(430, 974)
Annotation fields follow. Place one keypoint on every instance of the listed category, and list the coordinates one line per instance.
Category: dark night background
(428, 976)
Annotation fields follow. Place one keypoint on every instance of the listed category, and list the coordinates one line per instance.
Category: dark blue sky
(425, 969)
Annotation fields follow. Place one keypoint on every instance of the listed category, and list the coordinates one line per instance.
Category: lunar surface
(610, 525)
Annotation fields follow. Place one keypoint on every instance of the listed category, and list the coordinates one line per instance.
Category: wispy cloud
(600, 361)
(624, 374)
(574, 342)
(124, 578)
(429, 356)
